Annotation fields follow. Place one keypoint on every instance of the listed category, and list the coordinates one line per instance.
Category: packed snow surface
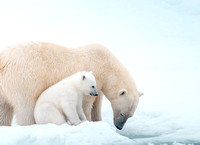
(149, 127)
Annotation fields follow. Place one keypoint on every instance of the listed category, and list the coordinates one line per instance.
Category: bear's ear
(83, 77)
(140, 93)
(122, 92)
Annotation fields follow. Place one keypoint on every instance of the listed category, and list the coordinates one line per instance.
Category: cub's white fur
(62, 102)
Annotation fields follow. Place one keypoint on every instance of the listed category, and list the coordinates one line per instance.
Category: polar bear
(27, 69)
(62, 102)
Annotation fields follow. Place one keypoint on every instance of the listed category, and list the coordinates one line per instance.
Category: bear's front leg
(6, 113)
(25, 113)
(6, 110)
(96, 109)
(87, 105)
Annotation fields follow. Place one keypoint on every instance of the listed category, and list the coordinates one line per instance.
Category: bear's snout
(119, 122)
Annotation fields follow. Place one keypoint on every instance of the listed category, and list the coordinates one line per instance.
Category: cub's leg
(71, 113)
(48, 113)
(80, 112)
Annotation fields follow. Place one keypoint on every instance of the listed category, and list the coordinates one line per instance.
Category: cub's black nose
(93, 94)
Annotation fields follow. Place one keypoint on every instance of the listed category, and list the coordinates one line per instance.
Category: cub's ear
(140, 93)
(122, 92)
(83, 77)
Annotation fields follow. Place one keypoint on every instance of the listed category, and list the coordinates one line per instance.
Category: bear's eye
(92, 86)
(122, 114)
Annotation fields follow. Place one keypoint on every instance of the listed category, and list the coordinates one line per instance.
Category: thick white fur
(62, 102)
(26, 70)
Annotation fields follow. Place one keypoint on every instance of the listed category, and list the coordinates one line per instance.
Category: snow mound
(161, 128)
(149, 127)
(86, 133)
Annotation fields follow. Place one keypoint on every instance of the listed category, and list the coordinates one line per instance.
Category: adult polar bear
(26, 70)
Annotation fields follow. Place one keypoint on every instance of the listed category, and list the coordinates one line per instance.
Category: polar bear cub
(62, 102)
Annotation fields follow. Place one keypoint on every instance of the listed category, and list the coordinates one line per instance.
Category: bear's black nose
(120, 128)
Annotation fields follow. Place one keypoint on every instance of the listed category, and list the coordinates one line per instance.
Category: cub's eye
(92, 86)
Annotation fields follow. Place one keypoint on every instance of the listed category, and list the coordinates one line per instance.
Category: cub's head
(124, 106)
(88, 84)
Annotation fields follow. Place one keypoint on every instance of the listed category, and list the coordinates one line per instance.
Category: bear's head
(88, 84)
(124, 106)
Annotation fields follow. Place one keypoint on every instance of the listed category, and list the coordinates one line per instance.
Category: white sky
(158, 40)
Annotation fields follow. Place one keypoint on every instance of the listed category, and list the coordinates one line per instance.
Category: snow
(149, 127)
(157, 40)
(159, 127)
(86, 133)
